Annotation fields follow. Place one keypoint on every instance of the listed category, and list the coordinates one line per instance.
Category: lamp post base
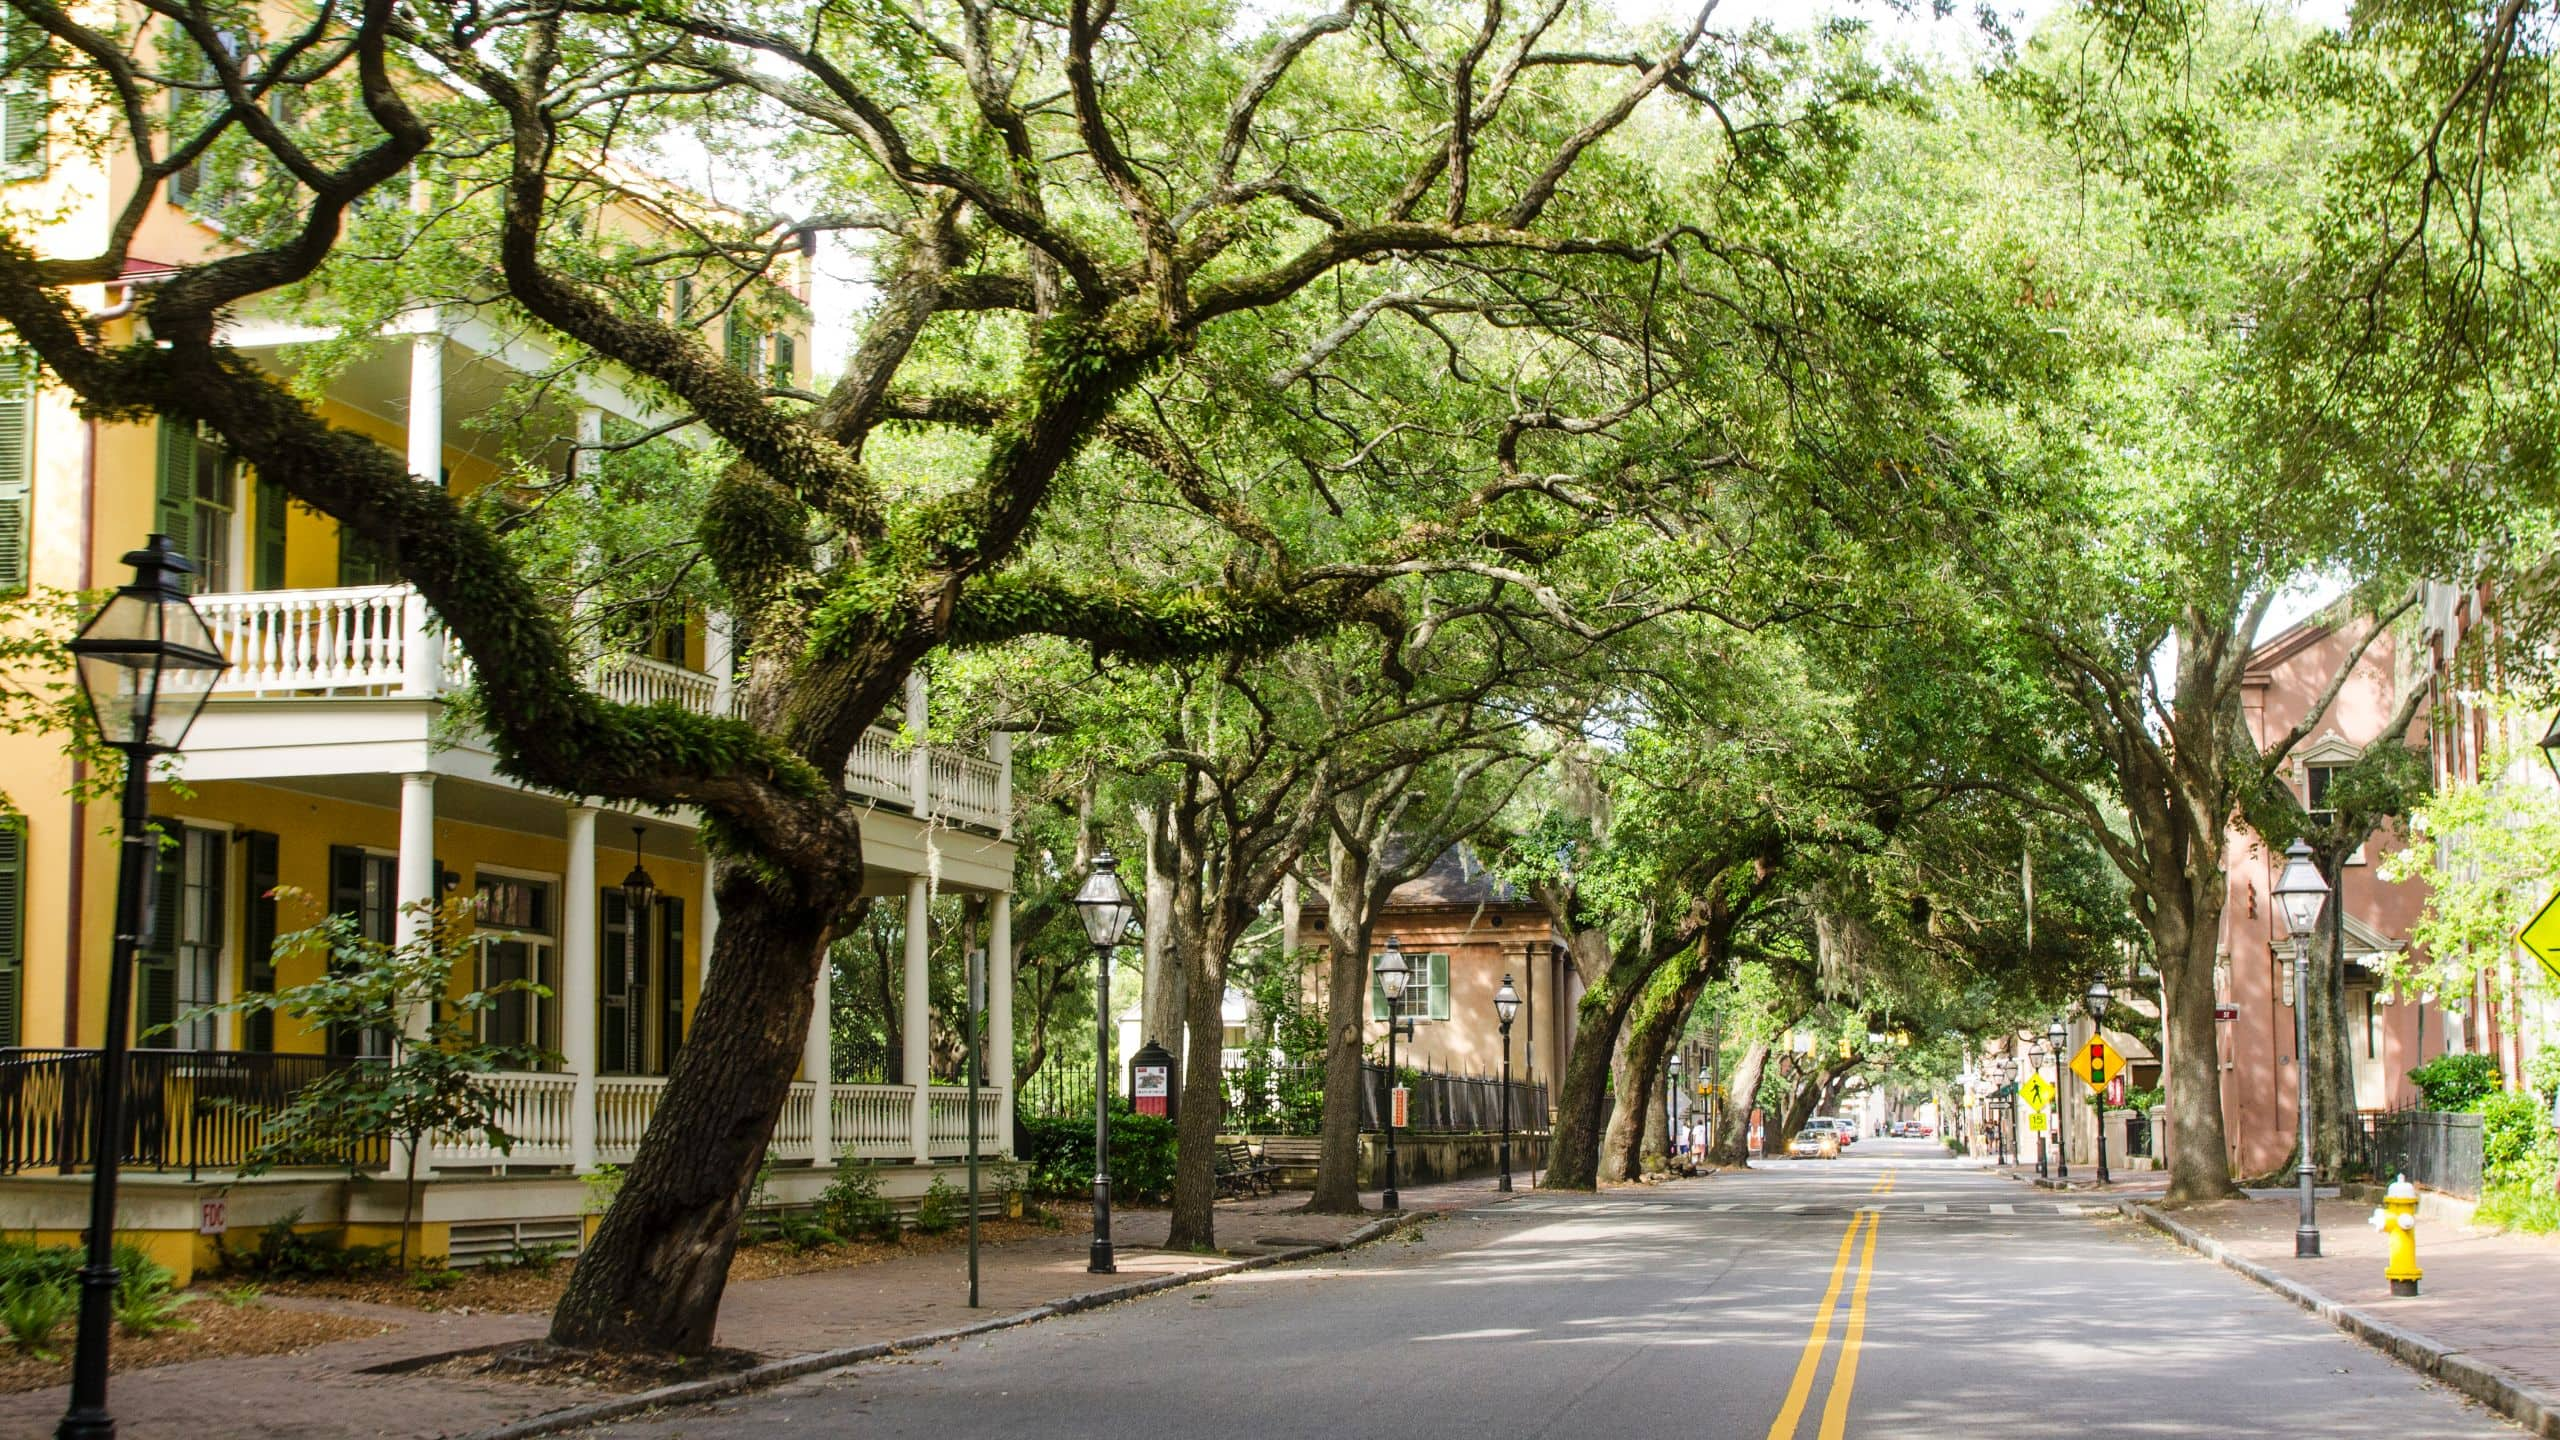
(2306, 1244)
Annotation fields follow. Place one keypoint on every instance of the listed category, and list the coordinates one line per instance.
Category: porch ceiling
(481, 419)
(467, 803)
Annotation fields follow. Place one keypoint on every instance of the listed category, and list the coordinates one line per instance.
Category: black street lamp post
(1392, 974)
(147, 663)
(2058, 1035)
(1671, 1111)
(1506, 1005)
(2097, 999)
(2299, 893)
(1107, 911)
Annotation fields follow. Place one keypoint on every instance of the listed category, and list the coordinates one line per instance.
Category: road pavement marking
(1844, 1381)
(1937, 1209)
(1800, 1389)
(2004, 1209)
(1728, 1205)
(1791, 1208)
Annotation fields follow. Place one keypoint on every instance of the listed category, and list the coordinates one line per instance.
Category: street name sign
(2541, 935)
(2226, 1012)
(2036, 1091)
(2096, 1062)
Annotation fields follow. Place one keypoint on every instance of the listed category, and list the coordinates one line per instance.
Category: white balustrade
(968, 788)
(870, 1121)
(624, 1105)
(791, 1129)
(639, 680)
(879, 769)
(533, 1109)
(949, 1120)
(282, 642)
(381, 640)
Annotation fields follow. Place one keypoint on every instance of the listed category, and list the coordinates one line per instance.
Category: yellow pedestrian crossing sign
(2096, 1062)
(2035, 1120)
(2541, 935)
(2037, 1091)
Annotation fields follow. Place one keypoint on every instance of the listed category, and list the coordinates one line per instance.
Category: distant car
(1815, 1142)
(1846, 1130)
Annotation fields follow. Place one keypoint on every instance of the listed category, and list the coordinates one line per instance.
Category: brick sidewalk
(2485, 1301)
(324, 1394)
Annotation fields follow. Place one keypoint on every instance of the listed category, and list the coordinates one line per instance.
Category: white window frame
(1425, 998)
(545, 1008)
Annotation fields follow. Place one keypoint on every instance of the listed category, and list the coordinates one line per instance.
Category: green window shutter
(258, 934)
(683, 300)
(741, 344)
(786, 355)
(25, 102)
(671, 970)
(1439, 987)
(13, 926)
(156, 968)
(613, 995)
(17, 470)
(266, 548)
(174, 509)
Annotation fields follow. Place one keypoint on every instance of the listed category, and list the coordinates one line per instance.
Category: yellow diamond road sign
(2096, 1062)
(2035, 1090)
(2541, 935)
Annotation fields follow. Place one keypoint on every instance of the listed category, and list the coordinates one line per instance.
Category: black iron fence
(2435, 1148)
(188, 1110)
(1288, 1099)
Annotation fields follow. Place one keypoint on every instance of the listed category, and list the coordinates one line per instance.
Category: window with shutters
(622, 1031)
(786, 358)
(267, 512)
(741, 344)
(365, 885)
(197, 496)
(13, 930)
(25, 99)
(1426, 990)
(671, 968)
(180, 967)
(259, 863)
(17, 468)
(512, 914)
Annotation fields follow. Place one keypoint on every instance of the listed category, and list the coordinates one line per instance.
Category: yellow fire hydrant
(2398, 1221)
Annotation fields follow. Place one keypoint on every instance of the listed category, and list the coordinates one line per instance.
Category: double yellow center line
(1844, 1379)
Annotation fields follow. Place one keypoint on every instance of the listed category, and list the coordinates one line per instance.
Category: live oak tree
(1057, 208)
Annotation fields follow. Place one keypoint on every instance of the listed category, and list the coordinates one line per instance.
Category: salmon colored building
(2388, 1032)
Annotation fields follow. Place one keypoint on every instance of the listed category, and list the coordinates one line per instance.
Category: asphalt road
(1893, 1292)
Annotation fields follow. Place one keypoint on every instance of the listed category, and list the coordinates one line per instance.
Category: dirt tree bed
(221, 1328)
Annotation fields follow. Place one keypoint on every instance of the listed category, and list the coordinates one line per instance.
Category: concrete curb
(2496, 1388)
(693, 1392)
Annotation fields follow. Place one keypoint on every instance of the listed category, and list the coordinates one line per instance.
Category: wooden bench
(1240, 1173)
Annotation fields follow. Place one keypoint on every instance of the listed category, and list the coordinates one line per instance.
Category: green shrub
(282, 1252)
(25, 1266)
(1060, 1155)
(2515, 1141)
(851, 1204)
(602, 1184)
(940, 1209)
(2530, 1208)
(2456, 1082)
(31, 1312)
(434, 1278)
(537, 1258)
(148, 1310)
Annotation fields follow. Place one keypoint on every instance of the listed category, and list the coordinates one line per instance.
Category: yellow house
(326, 763)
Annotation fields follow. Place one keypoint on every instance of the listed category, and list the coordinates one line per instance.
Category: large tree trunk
(1195, 1179)
(2331, 1071)
(1639, 1129)
(653, 1276)
(1346, 933)
(1574, 1159)
(1630, 1092)
(1732, 1142)
(2184, 936)
(1161, 1009)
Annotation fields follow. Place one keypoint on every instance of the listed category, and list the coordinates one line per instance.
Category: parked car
(1846, 1130)
(1815, 1142)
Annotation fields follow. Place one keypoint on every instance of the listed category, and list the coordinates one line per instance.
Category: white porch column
(421, 648)
(920, 759)
(578, 943)
(1000, 750)
(999, 1061)
(426, 402)
(916, 1019)
(720, 661)
(415, 882)
(817, 1064)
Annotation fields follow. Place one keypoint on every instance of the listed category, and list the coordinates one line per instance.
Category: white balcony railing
(865, 1122)
(382, 640)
